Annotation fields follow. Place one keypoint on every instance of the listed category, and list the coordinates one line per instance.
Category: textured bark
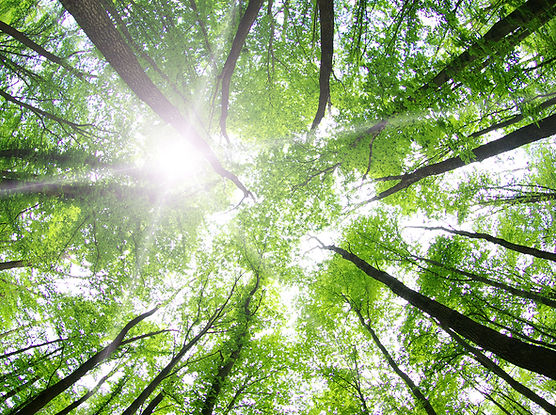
(93, 19)
(245, 24)
(512, 290)
(408, 381)
(48, 394)
(237, 345)
(22, 38)
(498, 371)
(499, 241)
(527, 356)
(326, 12)
(525, 135)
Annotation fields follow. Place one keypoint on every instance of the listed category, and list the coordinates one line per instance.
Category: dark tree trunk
(502, 37)
(165, 372)
(499, 241)
(153, 404)
(87, 395)
(497, 370)
(326, 12)
(243, 29)
(237, 345)
(527, 356)
(408, 381)
(13, 264)
(22, 38)
(93, 19)
(53, 391)
(18, 389)
(512, 290)
(525, 135)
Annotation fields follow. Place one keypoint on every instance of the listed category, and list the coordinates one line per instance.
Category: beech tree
(332, 206)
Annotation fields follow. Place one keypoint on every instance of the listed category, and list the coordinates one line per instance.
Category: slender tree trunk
(243, 29)
(497, 370)
(527, 356)
(515, 291)
(53, 391)
(153, 404)
(4, 356)
(326, 12)
(498, 241)
(18, 389)
(13, 264)
(22, 38)
(165, 372)
(237, 345)
(87, 395)
(525, 135)
(407, 380)
(498, 40)
(93, 19)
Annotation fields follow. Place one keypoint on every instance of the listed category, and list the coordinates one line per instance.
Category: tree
(191, 156)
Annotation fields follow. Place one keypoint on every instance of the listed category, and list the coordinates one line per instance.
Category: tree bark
(93, 19)
(407, 380)
(497, 370)
(498, 241)
(243, 29)
(525, 135)
(53, 391)
(326, 12)
(527, 356)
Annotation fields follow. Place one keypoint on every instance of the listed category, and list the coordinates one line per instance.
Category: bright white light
(175, 161)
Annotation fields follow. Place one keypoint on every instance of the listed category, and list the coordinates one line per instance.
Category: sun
(174, 161)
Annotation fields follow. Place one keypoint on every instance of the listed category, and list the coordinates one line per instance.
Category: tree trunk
(164, 373)
(153, 404)
(245, 24)
(326, 12)
(87, 395)
(408, 381)
(527, 356)
(497, 370)
(93, 19)
(22, 38)
(53, 391)
(498, 241)
(237, 345)
(498, 40)
(515, 291)
(13, 264)
(525, 135)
